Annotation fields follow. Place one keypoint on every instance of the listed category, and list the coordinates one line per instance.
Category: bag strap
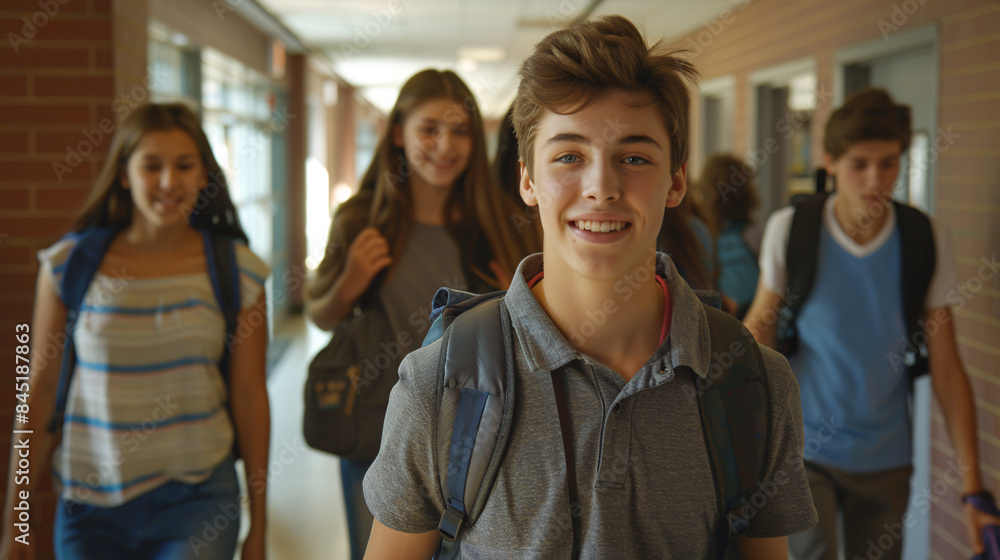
(918, 261)
(734, 418)
(800, 261)
(476, 409)
(223, 271)
(566, 427)
(78, 271)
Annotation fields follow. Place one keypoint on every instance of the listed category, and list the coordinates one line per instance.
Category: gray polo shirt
(645, 481)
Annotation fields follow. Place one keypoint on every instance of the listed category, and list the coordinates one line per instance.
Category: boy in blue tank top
(851, 331)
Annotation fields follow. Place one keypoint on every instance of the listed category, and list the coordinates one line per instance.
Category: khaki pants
(871, 508)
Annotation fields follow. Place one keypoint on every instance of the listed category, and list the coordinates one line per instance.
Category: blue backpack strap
(476, 392)
(442, 299)
(734, 413)
(79, 269)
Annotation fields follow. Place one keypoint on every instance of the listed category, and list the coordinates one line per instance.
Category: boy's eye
(635, 160)
(568, 158)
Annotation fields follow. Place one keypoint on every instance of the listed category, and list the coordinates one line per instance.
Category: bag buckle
(451, 523)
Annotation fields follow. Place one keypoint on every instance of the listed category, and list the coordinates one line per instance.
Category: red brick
(15, 199)
(32, 6)
(100, 6)
(44, 114)
(15, 255)
(13, 86)
(28, 171)
(14, 282)
(29, 57)
(103, 58)
(56, 141)
(75, 86)
(60, 199)
(13, 142)
(60, 29)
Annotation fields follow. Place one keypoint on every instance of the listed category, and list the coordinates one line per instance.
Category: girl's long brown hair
(110, 204)
(384, 198)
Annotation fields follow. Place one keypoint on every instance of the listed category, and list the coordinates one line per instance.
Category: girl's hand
(975, 520)
(367, 255)
(254, 545)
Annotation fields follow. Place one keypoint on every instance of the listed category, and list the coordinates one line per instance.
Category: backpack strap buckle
(451, 522)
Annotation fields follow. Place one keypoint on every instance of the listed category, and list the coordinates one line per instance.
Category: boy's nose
(601, 183)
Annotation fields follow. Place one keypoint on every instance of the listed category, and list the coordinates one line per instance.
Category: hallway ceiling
(377, 45)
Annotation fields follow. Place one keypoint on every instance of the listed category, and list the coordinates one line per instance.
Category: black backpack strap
(734, 416)
(801, 257)
(476, 408)
(918, 261)
(224, 273)
(79, 270)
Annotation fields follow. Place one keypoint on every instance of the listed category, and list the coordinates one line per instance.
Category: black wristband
(980, 494)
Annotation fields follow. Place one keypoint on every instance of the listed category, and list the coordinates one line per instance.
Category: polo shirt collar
(545, 348)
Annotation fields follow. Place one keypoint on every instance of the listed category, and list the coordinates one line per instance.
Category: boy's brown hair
(572, 67)
(870, 114)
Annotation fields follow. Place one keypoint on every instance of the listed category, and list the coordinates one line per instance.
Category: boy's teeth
(600, 227)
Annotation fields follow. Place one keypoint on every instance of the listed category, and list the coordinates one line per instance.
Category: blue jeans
(176, 521)
(359, 519)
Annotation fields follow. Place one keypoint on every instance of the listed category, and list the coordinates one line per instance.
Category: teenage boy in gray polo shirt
(602, 123)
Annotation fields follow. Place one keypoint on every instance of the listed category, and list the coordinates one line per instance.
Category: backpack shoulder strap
(476, 409)
(224, 273)
(80, 267)
(918, 262)
(801, 257)
(734, 417)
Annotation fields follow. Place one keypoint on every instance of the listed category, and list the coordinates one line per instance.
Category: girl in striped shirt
(145, 464)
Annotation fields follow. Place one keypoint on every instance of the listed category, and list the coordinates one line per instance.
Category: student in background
(428, 214)
(148, 341)
(730, 197)
(856, 351)
(685, 236)
(508, 174)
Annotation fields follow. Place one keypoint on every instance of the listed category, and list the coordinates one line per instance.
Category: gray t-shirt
(644, 476)
(430, 260)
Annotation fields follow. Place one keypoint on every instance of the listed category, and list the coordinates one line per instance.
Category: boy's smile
(601, 179)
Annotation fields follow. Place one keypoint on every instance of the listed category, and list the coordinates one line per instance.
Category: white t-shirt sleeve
(774, 246)
(945, 269)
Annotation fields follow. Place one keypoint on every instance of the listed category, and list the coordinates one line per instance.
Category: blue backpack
(81, 266)
(476, 408)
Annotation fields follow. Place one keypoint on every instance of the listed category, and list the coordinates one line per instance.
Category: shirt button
(617, 407)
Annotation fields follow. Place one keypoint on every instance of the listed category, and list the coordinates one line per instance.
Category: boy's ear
(829, 162)
(397, 135)
(527, 187)
(678, 186)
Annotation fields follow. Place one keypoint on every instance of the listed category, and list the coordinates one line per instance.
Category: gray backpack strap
(476, 396)
(734, 416)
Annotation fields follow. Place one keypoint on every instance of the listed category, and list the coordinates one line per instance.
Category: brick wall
(771, 32)
(60, 80)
